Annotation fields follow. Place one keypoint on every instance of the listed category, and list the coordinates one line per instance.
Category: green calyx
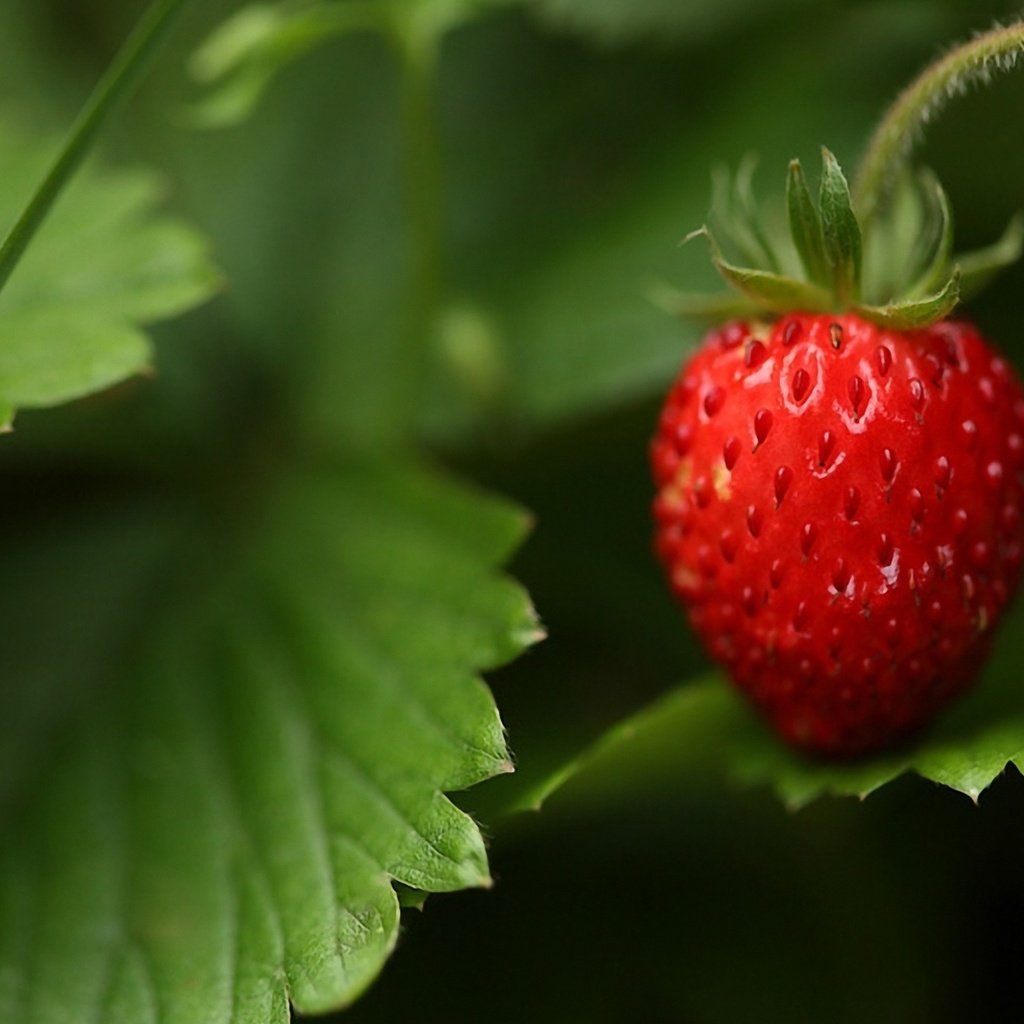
(894, 267)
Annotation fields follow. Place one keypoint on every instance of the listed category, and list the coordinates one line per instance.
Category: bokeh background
(577, 140)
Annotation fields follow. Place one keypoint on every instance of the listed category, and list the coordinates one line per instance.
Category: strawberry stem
(976, 60)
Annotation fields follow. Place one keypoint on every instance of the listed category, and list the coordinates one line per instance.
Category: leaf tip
(701, 232)
(532, 630)
(535, 635)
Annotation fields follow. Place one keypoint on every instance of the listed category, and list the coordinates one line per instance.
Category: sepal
(805, 226)
(840, 231)
(714, 309)
(977, 268)
(735, 219)
(936, 247)
(775, 293)
(897, 269)
(915, 313)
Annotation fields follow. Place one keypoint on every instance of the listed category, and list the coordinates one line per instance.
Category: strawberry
(840, 491)
(839, 505)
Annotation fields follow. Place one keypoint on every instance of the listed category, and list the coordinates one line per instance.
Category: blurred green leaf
(253, 760)
(615, 21)
(106, 264)
(714, 309)
(572, 304)
(565, 199)
(237, 63)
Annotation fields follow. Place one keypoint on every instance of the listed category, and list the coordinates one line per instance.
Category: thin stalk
(423, 180)
(115, 84)
(976, 60)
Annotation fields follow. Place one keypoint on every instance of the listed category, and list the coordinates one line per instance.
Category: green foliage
(107, 263)
(706, 729)
(840, 231)
(805, 226)
(245, 625)
(979, 267)
(238, 777)
(573, 303)
(767, 290)
(611, 21)
(238, 62)
(260, 757)
(913, 313)
(973, 61)
(912, 277)
(564, 277)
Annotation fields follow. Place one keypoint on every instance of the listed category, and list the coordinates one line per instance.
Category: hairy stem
(116, 82)
(976, 60)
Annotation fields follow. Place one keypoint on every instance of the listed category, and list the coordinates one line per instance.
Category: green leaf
(670, 738)
(241, 58)
(246, 52)
(840, 231)
(105, 264)
(563, 278)
(569, 276)
(706, 732)
(915, 313)
(805, 226)
(241, 746)
(615, 21)
(979, 267)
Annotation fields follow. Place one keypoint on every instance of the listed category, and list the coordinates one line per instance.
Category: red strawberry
(840, 508)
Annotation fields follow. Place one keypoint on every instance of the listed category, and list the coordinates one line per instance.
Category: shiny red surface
(839, 508)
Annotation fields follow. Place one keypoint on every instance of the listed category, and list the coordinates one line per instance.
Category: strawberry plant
(296, 296)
